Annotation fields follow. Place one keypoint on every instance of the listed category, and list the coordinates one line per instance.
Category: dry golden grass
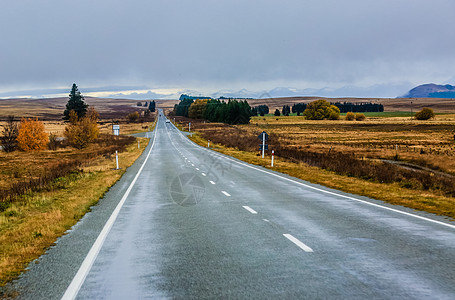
(30, 226)
(375, 139)
(430, 142)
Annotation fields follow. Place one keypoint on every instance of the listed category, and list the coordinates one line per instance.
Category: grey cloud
(225, 44)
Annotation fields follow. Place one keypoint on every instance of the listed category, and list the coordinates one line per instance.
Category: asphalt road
(189, 223)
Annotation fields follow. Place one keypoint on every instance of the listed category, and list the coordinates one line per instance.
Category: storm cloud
(218, 45)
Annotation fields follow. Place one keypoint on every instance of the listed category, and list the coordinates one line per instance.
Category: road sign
(263, 135)
(266, 147)
(116, 129)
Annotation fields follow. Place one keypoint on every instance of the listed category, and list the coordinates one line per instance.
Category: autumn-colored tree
(425, 114)
(197, 109)
(82, 131)
(133, 117)
(359, 117)
(350, 116)
(32, 136)
(321, 109)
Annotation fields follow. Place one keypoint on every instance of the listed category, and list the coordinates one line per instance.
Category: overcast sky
(167, 46)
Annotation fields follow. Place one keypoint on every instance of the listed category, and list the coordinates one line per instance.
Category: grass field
(392, 158)
(33, 216)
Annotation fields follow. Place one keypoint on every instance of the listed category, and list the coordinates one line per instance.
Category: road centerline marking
(203, 174)
(226, 194)
(250, 210)
(298, 243)
(212, 182)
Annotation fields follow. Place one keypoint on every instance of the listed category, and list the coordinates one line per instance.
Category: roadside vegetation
(399, 160)
(52, 172)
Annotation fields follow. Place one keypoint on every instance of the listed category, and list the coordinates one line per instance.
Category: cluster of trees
(359, 107)
(298, 108)
(260, 110)
(83, 126)
(181, 109)
(231, 112)
(187, 97)
(28, 135)
(286, 110)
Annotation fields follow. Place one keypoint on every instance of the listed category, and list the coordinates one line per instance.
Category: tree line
(214, 110)
(359, 107)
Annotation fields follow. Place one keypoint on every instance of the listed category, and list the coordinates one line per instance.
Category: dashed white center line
(212, 182)
(298, 243)
(265, 220)
(203, 174)
(226, 194)
(192, 165)
(197, 169)
(250, 210)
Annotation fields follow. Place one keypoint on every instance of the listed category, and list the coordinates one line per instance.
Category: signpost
(264, 137)
(115, 129)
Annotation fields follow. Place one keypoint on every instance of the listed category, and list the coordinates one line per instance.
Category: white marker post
(208, 144)
(116, 159)
(189, 126)
(273, 155)
(138, 145)
(263, 144)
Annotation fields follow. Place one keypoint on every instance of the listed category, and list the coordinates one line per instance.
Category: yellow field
(424, 149)
(34, 220)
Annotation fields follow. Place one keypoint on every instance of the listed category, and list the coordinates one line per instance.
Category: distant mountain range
(432, 90)
(377, 91)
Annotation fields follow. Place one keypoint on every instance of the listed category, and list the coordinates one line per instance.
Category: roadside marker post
(208, 144)
(116, 159)
(138, 145)
(263, 144)
(273, 155)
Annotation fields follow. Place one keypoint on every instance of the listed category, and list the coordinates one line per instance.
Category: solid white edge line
(226, 193)
(250, 210)
(298, 243)
(321, 190)
(75, 285)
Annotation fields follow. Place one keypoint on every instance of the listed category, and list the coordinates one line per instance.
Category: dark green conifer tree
(76, 103)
